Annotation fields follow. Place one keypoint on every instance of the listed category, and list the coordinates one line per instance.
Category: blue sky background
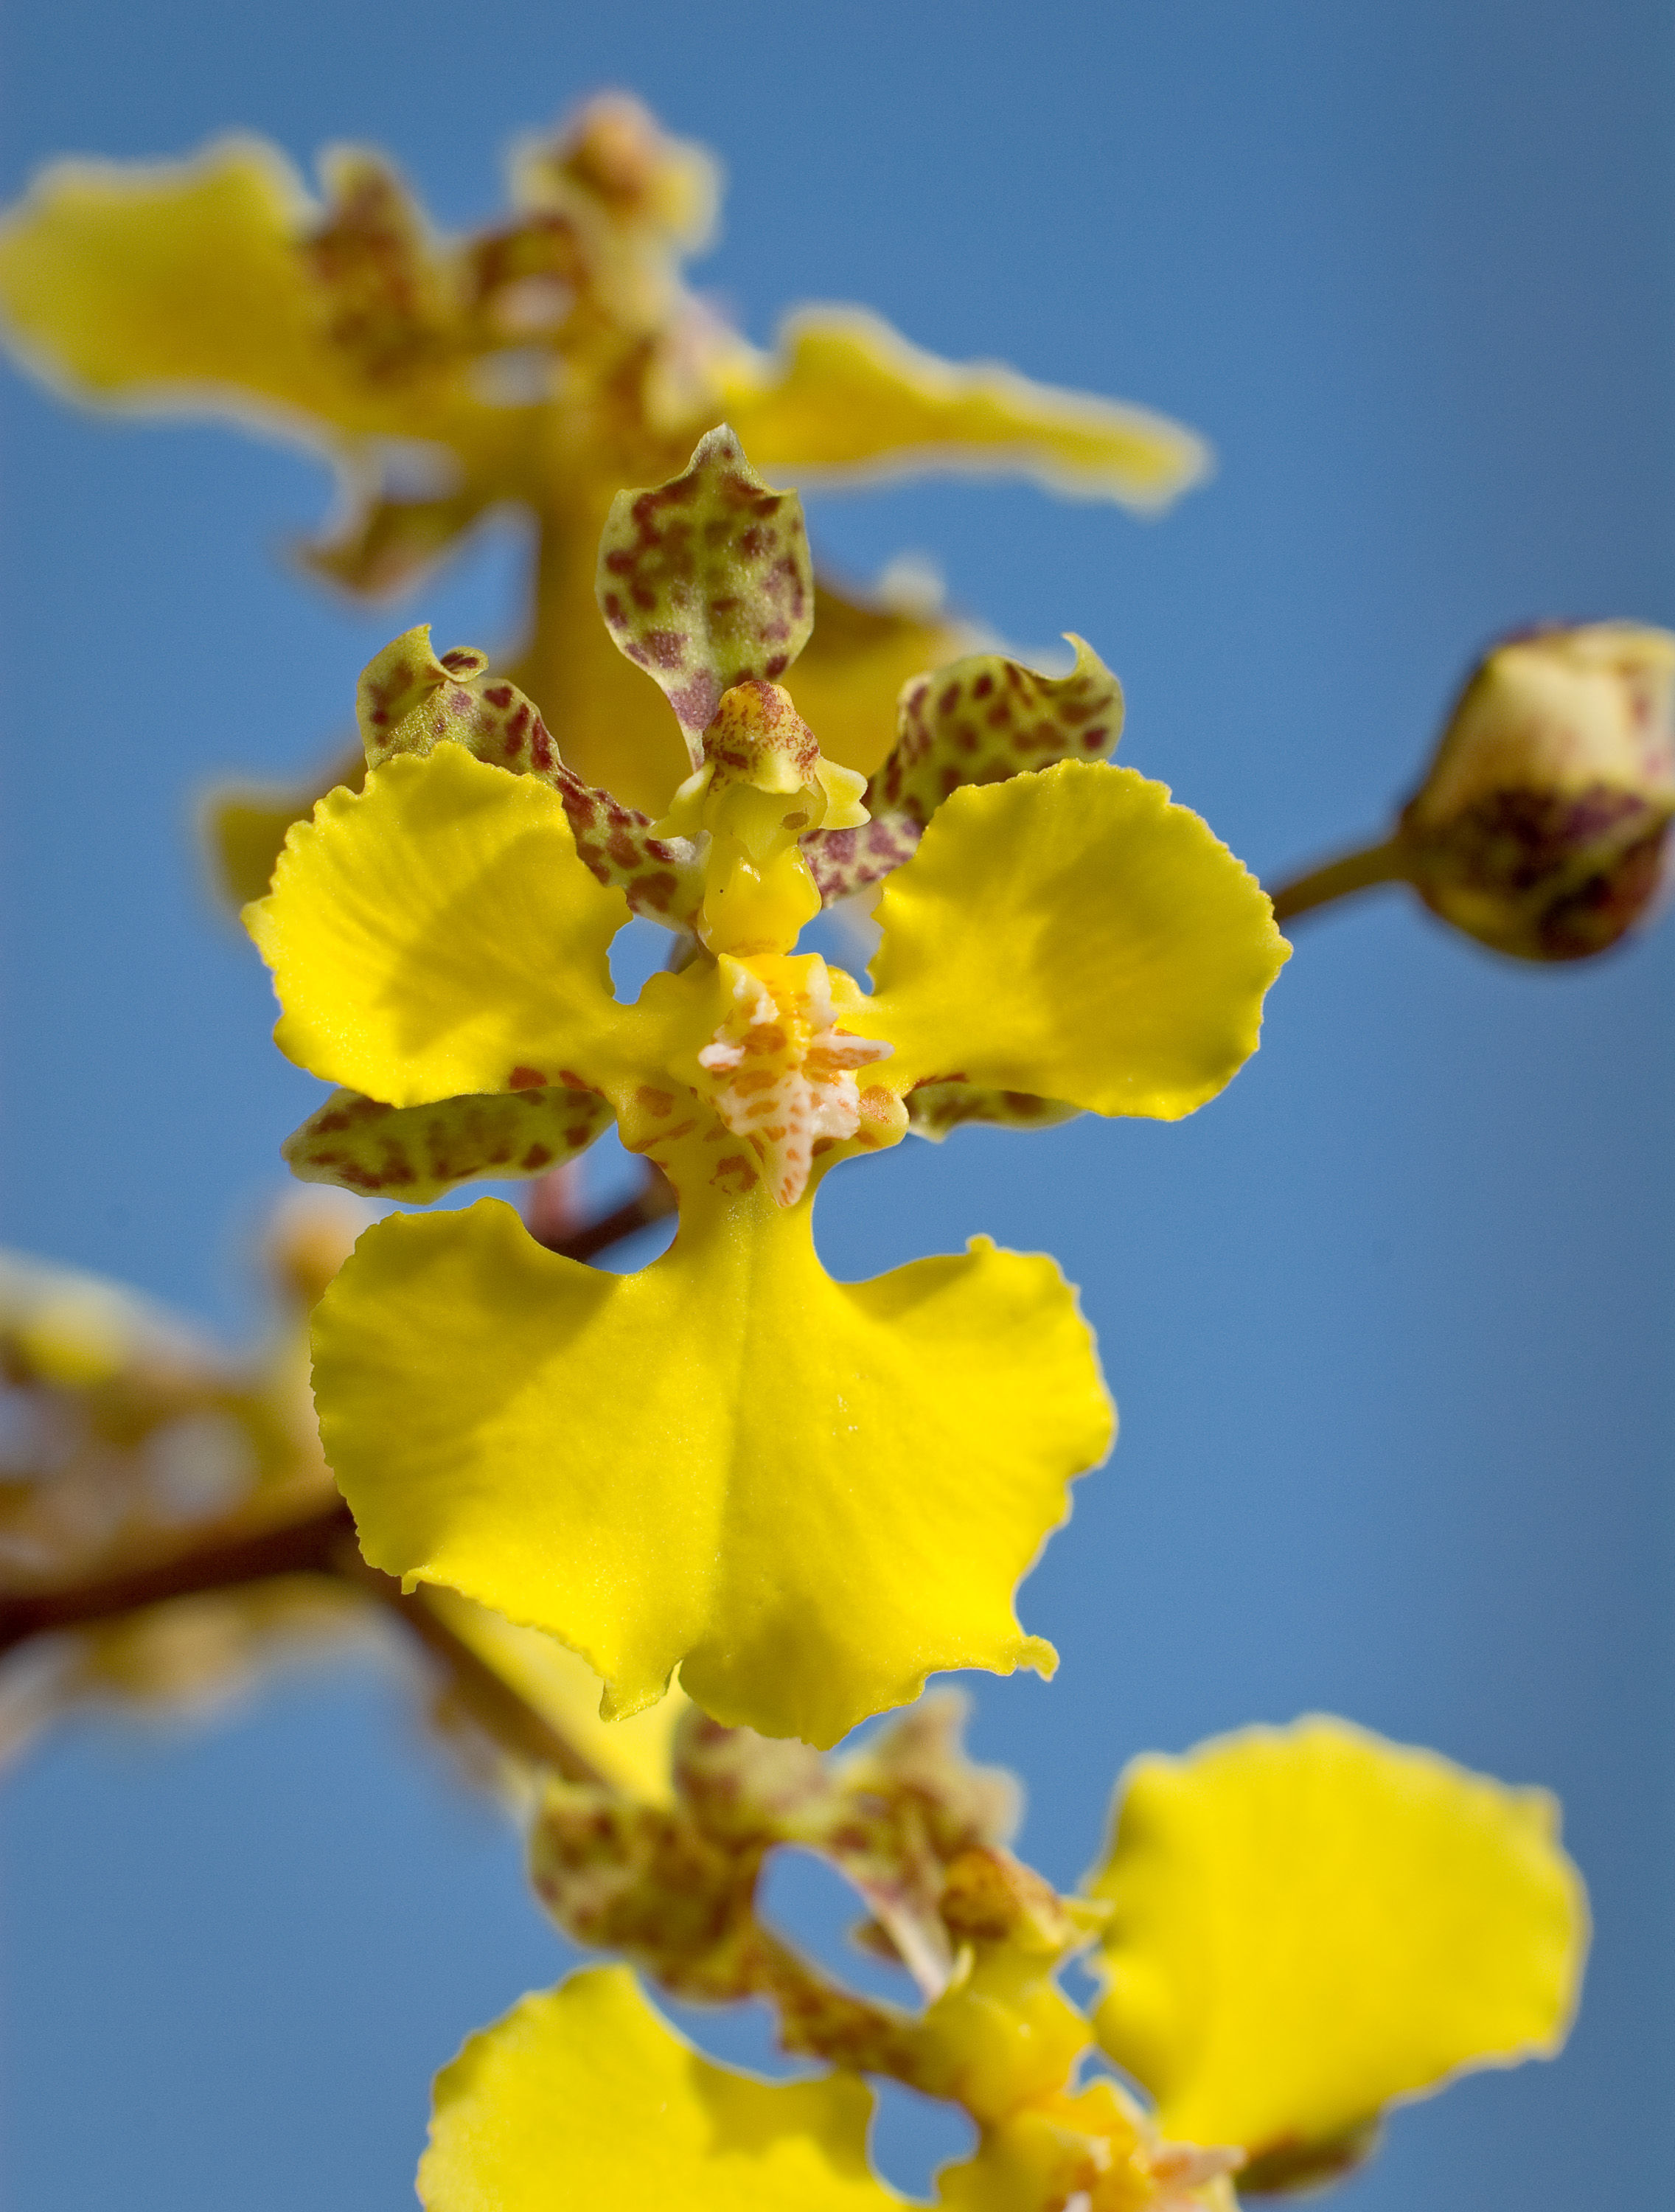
(1389, 1324)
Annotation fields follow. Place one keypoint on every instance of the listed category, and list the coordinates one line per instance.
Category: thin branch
(490, 1698)
(233, 1555)
(252, 1547)
(222, 1555)
(653, 1201)
(1341, 878)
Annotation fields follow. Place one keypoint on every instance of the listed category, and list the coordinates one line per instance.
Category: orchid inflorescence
(670, 1535)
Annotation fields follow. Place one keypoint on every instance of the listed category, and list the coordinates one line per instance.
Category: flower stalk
(1362, 870)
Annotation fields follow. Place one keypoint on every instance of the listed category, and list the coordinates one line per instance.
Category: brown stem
(224, 1555)
(233, 1555)
(652, 1201)
(820, 2019)
(252, 1547)
(1340, 878)
(489, 1697)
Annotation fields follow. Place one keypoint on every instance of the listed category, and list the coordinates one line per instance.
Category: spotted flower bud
(1540, 827)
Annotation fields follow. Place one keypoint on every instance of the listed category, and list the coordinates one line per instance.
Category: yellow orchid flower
(1299, 1927)
(537, 365)
(806, 1496)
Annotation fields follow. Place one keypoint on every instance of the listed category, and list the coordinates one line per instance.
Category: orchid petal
(1074, 936)
(1311, 1921)
(435, 934)
(808, 1526)
(849, 393)
(583, 2095)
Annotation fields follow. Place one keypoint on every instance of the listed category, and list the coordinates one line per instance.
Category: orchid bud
(1540, 827)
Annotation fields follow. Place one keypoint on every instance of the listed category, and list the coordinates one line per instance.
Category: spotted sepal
(387, 544)
(706, 581)
(934, 1108)
(978, 720)
(417, 1152)
(410, 699)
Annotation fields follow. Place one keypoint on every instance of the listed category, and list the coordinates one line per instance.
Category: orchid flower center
(779, 1071)
(781, 1074)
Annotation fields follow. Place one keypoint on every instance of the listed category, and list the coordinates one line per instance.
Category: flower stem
(1341, 878)
(220, 1555)
(818, 2017)
(266, 1542)
(652, 1201)
(236, 1554)
(498, 1710)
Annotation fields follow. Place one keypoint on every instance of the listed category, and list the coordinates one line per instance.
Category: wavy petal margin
(1073, 935)
(583, 2096)
(809, 1496)
(435, 935)
(850, 394)
(981, 719)
(1311, 1921)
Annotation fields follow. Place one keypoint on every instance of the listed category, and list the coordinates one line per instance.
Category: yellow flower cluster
(800, 1497)
(1295, 1929)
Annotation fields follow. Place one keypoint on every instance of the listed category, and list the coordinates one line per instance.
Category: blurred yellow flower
(1311, 1923)
(536, 365)
(1299, 1927)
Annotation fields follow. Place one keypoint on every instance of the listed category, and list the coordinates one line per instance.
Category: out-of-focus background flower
(1389, 1324)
